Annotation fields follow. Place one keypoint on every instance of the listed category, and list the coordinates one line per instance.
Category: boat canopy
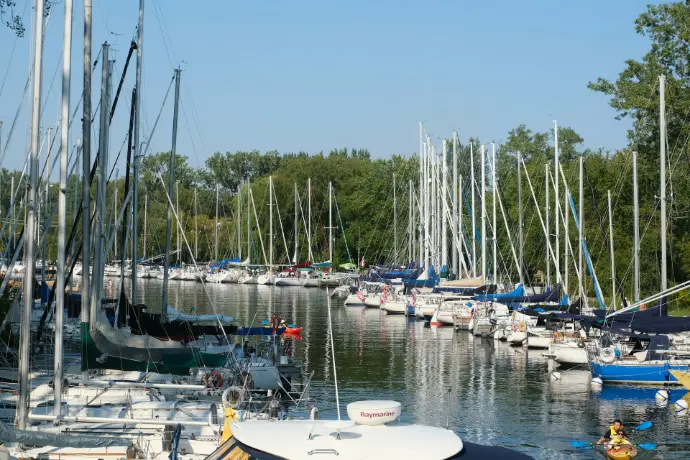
(553, 295)
(661, 324)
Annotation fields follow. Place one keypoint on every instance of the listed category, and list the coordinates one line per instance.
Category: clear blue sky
(314, 75)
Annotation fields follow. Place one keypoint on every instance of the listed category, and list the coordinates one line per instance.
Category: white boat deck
(291, 440)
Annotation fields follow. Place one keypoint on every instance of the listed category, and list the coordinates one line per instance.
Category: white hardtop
(303, 439)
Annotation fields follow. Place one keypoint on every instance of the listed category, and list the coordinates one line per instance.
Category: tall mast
(556, 202)
(215, 247)
(146, 212)
(459, 232)
(86, 172)
(296, 227)
(613, 263)
(427, 208)
(662, 160)
(422, 162)
(410, 243)
(114, 216)
(483, 199)
(14, 233)
(137, 154)
(101, 179)
(330, 223)
(311, 256)
(62, 205)
(521, 240)
(249, 225)
(566, 250)
(239, 222)
(636, 232)
(454, 227)
(196, 229)
(494, 186)
(270, 225)
(546, 218)
(178, 246)
(474, 222)
(395, 224)
(434, 209)
(444, 206)
(25, 325)
(580, 231)
(171, 184)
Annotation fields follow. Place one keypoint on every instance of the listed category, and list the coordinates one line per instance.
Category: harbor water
(487, 391)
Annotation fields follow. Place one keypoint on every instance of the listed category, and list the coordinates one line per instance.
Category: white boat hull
(537, 341)
(354, 301)
(394, 307)
(568, 353)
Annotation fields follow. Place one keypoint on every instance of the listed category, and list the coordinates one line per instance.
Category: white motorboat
(355, 299)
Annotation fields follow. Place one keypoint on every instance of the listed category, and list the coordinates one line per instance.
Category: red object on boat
(293, 330)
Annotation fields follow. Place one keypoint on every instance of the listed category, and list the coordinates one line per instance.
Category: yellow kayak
(622, 452)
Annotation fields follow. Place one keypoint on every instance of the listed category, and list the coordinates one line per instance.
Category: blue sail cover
(661, 324)
(661, 309)
(519, 291)
(430, 282)
(224, 262)
(553, 295)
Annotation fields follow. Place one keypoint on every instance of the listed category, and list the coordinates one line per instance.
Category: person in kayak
(615, 435)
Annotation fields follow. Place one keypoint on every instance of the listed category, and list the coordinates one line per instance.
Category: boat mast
(270, 224)
(548, 229)
(114, 217)
(239, 222)
(613, 263)
(494, 186)
(215, 246)
(662, 160)
(196, 229)
(146, 211)
(483, 198)
(580, 230)
(62, 206)
(422, 162)
(427, 208)
(636, 232)
(137, 155)
(444, 206)
(556, 202)
(410, 243)
(25, 325)
(296, 226)
(566, 241)
(171, 183)
(99, 207)
(395, 225)
(249, 224)
(178, 246)
(521, 241)
(434, 208)
(473, 185)
(311, 256)
(454, 233)
(330, 223)
(86, 172)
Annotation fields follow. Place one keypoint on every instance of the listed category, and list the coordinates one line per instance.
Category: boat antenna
(335, 372)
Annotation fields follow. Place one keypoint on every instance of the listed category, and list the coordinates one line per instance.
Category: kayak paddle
(643, 426)
(582, 444)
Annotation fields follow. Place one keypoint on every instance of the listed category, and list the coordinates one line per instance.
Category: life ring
(557, 336)
(607, 355)
(522, 327)
(213, 380)
(232, 397)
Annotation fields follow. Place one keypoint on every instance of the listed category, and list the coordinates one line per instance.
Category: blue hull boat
(647, 373)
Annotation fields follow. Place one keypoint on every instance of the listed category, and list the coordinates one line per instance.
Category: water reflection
(498, 394)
